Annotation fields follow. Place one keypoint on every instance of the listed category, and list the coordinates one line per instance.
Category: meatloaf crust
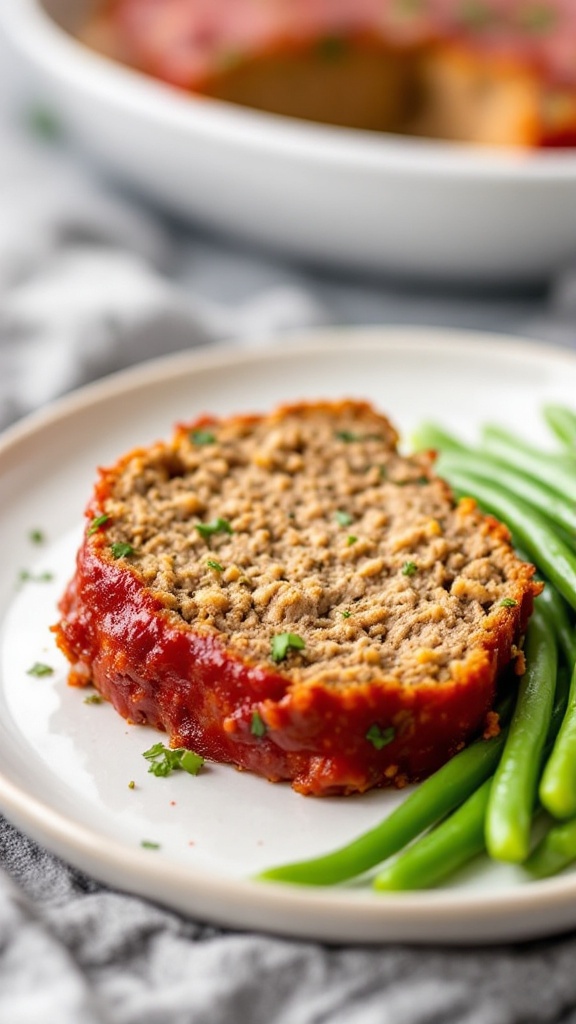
(291, 594)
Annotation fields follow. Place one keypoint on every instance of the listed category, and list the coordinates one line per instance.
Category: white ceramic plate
(65, 765)
(345, 197)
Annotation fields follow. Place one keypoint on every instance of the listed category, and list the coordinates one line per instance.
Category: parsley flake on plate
(165, 760)
(25, 576)
(40, 669)
(44, 123)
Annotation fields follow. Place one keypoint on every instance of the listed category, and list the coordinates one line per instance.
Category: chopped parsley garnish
(39, 577)
(332, 47)
(257, 725)
(283, 642)
(410, 7)
(44, 123)
(121, 550)
(207, 530)
(508, 602)
(418, 481)
(476, 14)
(345, 615)
(348, 436)
(147, 844)
(164, 760)
(343, 518)
(40, 669)
(380, 738)
(36, 536)
(212, 564)
(97, 523)
(409, 568)
(228, 59)
(351, 539)
(537, 17)
(94, 698)
(202, 437)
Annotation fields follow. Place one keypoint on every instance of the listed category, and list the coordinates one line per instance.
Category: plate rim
(116, 862)
(35, 33)
(266, 345)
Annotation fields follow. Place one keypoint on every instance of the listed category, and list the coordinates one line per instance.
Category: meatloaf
(291, 594)
(485, 71)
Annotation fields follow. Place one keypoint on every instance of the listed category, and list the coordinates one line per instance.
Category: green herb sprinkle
(40, 669)
(282, 643)
(379, 737)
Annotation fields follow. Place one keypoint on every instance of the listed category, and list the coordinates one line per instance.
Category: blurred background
(95, 274)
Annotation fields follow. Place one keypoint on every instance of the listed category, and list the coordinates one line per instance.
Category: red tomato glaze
(157, 669)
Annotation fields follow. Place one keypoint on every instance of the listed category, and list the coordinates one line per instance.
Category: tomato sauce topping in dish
(487, 71)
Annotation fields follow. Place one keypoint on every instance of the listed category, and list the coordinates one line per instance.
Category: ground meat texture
(291, 594)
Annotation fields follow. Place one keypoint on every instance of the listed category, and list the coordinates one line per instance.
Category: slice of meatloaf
(291, 594)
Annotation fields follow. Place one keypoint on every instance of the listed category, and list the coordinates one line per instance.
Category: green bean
(556, 851)
(430, 435)
(455, 840)
(552, 556)
(513, 792)
(554, 606)
(431, 801)
(548, 502)
(558, 784)
(496, 432)
(557, 472)
(441, 852)
(562, 421)
(456, 455)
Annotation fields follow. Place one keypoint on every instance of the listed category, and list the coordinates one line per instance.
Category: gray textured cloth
(90, 282)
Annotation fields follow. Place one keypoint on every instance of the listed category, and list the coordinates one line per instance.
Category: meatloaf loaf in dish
(290, 594)
(492, 72)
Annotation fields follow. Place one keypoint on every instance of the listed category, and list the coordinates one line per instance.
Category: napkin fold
(74, 952)
(91, 281)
